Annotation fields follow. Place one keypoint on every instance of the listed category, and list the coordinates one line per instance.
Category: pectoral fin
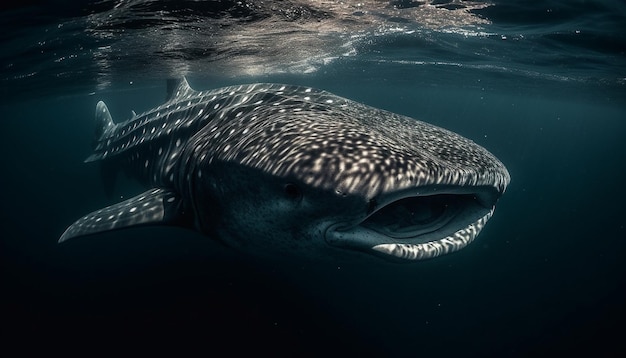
(154, 207)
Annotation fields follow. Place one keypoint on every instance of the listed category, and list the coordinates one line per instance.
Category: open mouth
(415, 227)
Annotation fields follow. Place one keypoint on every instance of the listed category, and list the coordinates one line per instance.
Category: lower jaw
(407, 250)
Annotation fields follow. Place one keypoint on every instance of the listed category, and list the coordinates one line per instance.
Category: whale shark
(286, 170)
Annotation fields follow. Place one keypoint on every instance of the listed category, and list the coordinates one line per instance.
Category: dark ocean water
(541, 84)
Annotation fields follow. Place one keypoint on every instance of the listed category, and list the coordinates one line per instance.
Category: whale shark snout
(290, 170)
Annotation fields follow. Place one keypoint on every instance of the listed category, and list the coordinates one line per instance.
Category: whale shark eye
(371, 206)
(292, 191)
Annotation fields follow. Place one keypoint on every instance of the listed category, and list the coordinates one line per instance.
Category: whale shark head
(319, 173)
(288, 170)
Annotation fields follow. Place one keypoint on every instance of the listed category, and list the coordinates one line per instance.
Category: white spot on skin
(133, 209)
(160, 151)
(146, 164)
(171, 200)
(178, 142)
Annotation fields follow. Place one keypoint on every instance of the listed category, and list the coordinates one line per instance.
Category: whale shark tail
(108, 170)
(104, 122)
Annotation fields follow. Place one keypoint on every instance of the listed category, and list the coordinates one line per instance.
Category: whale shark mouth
(412, 227)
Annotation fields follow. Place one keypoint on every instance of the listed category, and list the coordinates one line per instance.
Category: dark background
(546, 276)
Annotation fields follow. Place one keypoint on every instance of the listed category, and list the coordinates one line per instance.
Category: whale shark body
(290, 170)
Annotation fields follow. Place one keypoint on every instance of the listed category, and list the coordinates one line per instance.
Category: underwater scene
(433, 178)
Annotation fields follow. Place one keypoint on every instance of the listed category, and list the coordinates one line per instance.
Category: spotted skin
(156, 205)
(350, 154)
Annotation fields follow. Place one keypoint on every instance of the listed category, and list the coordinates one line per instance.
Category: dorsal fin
(177, 87)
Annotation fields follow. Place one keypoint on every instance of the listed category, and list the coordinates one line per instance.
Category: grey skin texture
(285, 170)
